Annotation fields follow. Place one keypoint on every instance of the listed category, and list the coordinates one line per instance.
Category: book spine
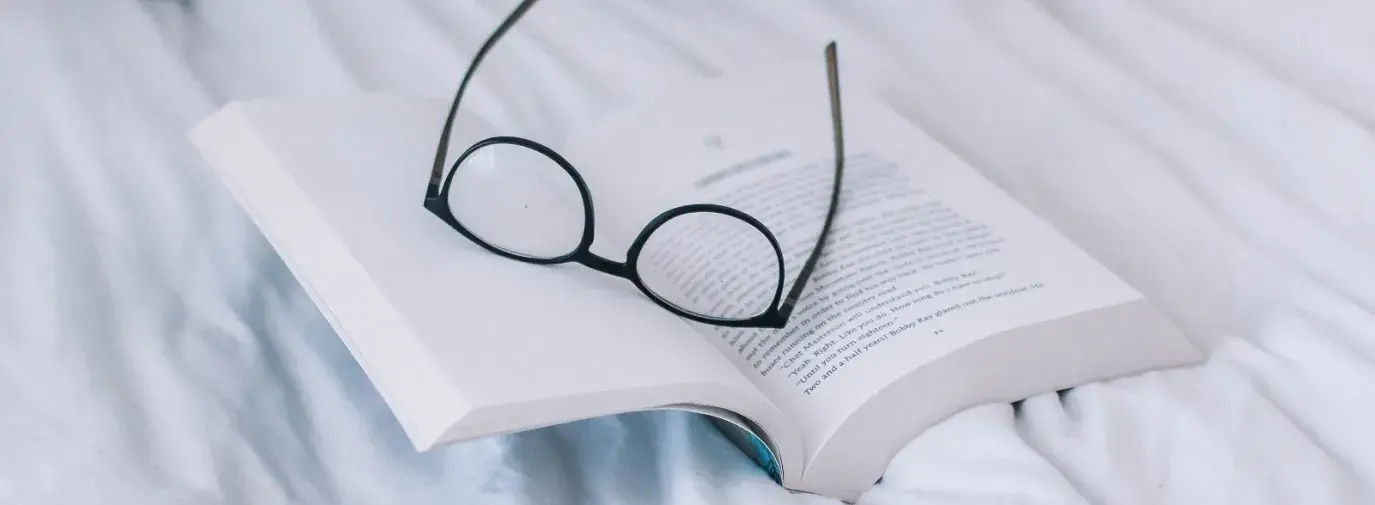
(753, 447)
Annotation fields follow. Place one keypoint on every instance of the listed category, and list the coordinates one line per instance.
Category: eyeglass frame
(777, 314)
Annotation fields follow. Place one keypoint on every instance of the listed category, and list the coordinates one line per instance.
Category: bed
(1220, 156)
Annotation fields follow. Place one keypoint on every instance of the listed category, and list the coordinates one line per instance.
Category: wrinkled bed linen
(1220, 156)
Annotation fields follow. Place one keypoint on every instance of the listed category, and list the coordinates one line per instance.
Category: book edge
(1134, 321)
(380, 363)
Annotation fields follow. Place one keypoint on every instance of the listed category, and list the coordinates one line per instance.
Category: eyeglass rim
(582, 253)
(770, 315)
(440, 206)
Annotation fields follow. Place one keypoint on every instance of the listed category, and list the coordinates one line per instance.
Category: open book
(936, 291)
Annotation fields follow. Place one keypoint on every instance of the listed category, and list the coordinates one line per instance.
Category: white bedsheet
(1219, 155)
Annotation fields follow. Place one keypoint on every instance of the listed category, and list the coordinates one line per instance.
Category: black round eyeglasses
(522, 200)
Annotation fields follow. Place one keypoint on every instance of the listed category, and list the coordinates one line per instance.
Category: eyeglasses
(705, 262)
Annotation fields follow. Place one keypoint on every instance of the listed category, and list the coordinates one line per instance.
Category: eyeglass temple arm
(833, 79)
(437, 173)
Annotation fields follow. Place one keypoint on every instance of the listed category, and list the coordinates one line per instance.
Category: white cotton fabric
(1220, 156)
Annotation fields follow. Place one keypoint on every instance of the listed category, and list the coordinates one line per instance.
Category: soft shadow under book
(936, 290)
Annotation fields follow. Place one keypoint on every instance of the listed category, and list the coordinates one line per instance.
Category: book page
(925, 256)
(461, 342)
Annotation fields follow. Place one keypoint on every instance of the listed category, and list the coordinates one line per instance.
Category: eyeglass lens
(518, 200)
